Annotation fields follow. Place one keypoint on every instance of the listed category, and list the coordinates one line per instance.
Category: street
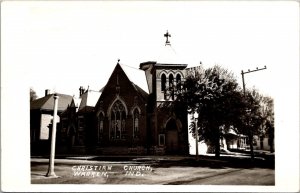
(153, 170)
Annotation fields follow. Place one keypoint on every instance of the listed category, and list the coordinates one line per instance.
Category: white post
(53, 140)
(196, 133)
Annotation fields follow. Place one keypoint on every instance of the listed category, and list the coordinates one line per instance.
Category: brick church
(131, 114)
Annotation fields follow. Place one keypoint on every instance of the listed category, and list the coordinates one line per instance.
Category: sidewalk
(161, 170)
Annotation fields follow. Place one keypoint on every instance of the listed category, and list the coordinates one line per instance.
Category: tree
(33, 95)
(249, 122)
(215, 95)
(258, 118)
(267, 110)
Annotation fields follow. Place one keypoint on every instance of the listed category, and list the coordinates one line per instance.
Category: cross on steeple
(167, 35)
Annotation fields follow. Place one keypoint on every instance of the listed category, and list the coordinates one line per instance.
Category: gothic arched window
(117, 120)
(163, 82)
(171, 84)
(171, 80)
(118, 125)
(100, 126)
(178, 81)
(136, 123)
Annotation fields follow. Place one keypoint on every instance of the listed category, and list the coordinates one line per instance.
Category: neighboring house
(263, 143)
(78, 122)
(234, 141)
(69, 126)
(86, 117)
(41, 117)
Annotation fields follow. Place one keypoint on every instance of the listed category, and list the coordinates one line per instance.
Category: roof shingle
(47, 102)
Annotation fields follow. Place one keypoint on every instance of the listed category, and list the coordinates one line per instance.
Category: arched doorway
(171, 137)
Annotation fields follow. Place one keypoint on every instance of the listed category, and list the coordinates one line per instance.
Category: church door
(171, 137)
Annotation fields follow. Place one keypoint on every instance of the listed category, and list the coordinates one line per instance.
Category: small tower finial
(118, 60)
(167, 35)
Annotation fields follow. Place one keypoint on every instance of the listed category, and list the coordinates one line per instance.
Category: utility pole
(244, 89)
(249, 71)
(50, 172)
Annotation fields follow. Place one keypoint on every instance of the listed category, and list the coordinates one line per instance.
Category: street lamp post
(50, 172)
(196, 133)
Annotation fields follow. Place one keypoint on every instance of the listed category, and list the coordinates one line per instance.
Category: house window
(100, 126)
(161, 139)
(117, 121)
(163, 82)
(135, 123)
(81, 122)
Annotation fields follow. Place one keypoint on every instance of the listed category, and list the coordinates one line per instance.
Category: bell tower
(165, 74)
(167, 126)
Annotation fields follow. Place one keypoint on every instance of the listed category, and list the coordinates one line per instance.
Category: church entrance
(171, 137)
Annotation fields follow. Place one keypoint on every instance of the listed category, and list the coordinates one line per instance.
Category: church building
(137, 117)
(133, 114)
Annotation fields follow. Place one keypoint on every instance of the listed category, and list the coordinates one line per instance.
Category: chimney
(47, 92)
(81, 91)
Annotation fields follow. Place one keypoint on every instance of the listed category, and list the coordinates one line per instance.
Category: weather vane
(167, 35)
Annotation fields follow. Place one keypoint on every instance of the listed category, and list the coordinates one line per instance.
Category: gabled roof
(137, 77)
(74, 104)
(140, 90)
(47, 102)
(89, 100)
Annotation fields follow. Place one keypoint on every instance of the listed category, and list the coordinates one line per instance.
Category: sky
(62, 45)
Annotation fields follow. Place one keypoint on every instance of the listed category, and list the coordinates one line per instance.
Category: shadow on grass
(221, 162)
(203, 161)
(188, 161)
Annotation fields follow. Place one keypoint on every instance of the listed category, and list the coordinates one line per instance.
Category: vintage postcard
(149, 96)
